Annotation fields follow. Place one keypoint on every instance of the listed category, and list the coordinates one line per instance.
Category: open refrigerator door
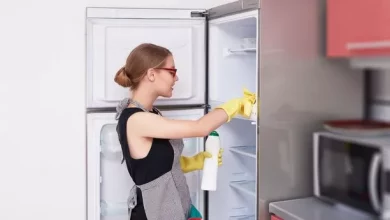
(233, 66)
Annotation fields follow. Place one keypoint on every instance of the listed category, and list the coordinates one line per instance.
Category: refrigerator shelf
(242, 217)
(249, 151)
(242, 50)
(239, 51)
(248, 187)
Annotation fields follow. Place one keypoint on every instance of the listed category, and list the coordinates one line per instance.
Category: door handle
(368, 45)
(372, 181)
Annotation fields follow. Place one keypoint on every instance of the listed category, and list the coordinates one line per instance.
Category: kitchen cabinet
(358, 28)
(275, 217)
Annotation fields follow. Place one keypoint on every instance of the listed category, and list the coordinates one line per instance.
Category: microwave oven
(353, 171)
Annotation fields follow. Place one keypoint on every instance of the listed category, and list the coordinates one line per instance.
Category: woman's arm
(145, 124)
(150, 125)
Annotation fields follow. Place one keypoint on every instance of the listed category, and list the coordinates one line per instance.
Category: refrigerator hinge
(199, 13)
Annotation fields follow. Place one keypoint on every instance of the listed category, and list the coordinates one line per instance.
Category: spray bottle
(210, 167)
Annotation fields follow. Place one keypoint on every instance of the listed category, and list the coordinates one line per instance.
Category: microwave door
(344, 170)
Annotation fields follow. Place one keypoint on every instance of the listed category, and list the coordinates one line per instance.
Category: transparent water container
(190, 146)
(109, 143)
(113, 209)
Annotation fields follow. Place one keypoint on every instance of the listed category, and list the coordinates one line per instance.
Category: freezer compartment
(233, 52)
(113, 34)
(237, 175)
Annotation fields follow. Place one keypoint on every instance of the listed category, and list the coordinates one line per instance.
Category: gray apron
(167, 197)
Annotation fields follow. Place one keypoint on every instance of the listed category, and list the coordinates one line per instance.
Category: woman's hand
(242, 106)
(189, 164)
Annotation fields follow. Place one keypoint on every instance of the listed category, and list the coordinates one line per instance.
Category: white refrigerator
(216, 54)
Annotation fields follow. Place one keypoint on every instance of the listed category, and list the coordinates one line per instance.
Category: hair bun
(122, 79)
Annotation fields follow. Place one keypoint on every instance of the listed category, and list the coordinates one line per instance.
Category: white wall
(42, 112)
(381, 95)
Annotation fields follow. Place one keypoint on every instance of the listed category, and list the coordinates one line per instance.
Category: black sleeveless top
(158, 161)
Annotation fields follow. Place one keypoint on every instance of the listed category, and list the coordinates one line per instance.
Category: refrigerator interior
(233, 66)
(108, 180)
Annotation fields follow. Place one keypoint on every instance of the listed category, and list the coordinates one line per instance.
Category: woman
(152, 144)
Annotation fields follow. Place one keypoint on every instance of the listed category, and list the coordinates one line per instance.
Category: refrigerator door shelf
(110, 39)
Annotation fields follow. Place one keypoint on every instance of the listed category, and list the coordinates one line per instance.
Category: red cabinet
(358, 28)
(275, 217)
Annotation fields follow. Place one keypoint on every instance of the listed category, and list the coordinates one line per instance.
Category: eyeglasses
(172, 71)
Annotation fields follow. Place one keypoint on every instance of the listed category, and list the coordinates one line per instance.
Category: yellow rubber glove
(189, 164)
(249, 101)
(242, 106)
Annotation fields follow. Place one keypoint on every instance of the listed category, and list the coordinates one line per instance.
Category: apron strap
(132, 200)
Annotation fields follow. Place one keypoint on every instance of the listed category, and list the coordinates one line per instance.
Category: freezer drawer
(112, 34)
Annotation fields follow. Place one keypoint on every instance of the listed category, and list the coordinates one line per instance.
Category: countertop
(311, 208)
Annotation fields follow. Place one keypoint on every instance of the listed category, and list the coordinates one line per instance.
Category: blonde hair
(141, 58)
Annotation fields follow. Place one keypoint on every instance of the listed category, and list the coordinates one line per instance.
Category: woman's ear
(150, 74)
